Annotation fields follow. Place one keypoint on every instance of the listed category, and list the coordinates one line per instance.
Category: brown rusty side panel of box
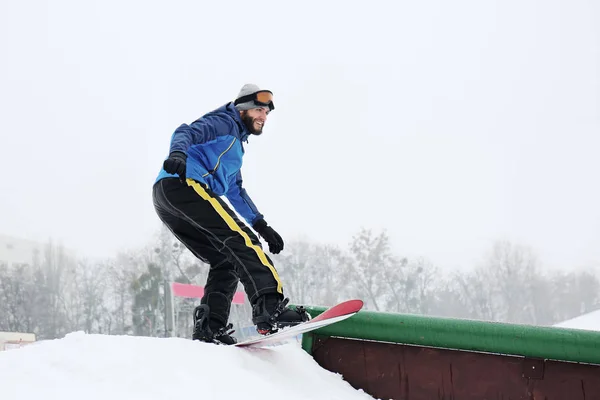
(401, 372)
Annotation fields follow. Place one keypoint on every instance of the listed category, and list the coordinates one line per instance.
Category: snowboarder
(204, 163)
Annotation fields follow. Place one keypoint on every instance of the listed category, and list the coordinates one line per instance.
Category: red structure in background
(194, 291)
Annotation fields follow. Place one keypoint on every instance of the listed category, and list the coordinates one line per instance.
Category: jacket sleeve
(200, 131)
(240, 200)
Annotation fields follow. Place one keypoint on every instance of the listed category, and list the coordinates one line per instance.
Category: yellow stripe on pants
(236, 228)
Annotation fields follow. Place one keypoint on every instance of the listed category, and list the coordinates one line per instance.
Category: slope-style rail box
(411, 357)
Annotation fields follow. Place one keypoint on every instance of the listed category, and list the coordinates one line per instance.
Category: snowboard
(334, 314)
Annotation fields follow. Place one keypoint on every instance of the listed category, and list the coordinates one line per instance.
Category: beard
(249, 123)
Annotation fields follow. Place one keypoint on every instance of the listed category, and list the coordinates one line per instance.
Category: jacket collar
(230, 109)
(232, 112)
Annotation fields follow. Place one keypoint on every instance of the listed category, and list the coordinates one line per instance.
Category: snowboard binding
(280, 317)
(205, 331)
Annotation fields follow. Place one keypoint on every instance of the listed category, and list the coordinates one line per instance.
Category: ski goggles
(263, 98)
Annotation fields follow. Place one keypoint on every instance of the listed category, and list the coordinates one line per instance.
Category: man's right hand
(175, 164)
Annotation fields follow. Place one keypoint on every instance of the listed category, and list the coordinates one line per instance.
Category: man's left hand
(270, 235)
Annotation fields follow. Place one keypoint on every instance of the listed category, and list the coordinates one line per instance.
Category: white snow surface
(90, 366)
(589, 321)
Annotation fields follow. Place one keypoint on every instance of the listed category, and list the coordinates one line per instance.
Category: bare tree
(297, 271)
(50, 278)
(121, 272)
(513, 267)
(329, 263)
(420, 277)
(89, 291)
(503, 288)
(312, 273)
(370, 256)
(17, 294)
(473, 294)
(572, 294)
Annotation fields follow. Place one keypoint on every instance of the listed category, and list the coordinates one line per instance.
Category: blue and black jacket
(213, 144)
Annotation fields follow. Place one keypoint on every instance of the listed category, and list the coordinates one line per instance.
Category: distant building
(18, 251)
(14, 340)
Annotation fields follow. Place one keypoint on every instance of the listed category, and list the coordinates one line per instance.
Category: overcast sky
(449, 124)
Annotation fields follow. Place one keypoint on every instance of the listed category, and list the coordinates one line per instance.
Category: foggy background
(450, 126)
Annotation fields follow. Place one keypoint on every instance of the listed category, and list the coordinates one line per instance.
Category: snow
(90, 366)
(108, 367)
(589, 321)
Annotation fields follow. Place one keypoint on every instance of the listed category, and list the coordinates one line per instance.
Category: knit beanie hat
(246, 90)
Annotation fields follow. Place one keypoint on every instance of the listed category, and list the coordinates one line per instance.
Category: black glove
(175, 164)
(273, 239)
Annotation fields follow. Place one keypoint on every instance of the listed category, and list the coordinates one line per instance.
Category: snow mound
(589, 321)
(103, 367)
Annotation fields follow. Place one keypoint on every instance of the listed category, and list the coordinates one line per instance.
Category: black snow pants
(213, 233)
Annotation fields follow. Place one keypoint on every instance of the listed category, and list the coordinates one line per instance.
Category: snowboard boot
(210, 330)
(269, 314)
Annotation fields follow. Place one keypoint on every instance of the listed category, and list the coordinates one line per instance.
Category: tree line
(57, 293)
